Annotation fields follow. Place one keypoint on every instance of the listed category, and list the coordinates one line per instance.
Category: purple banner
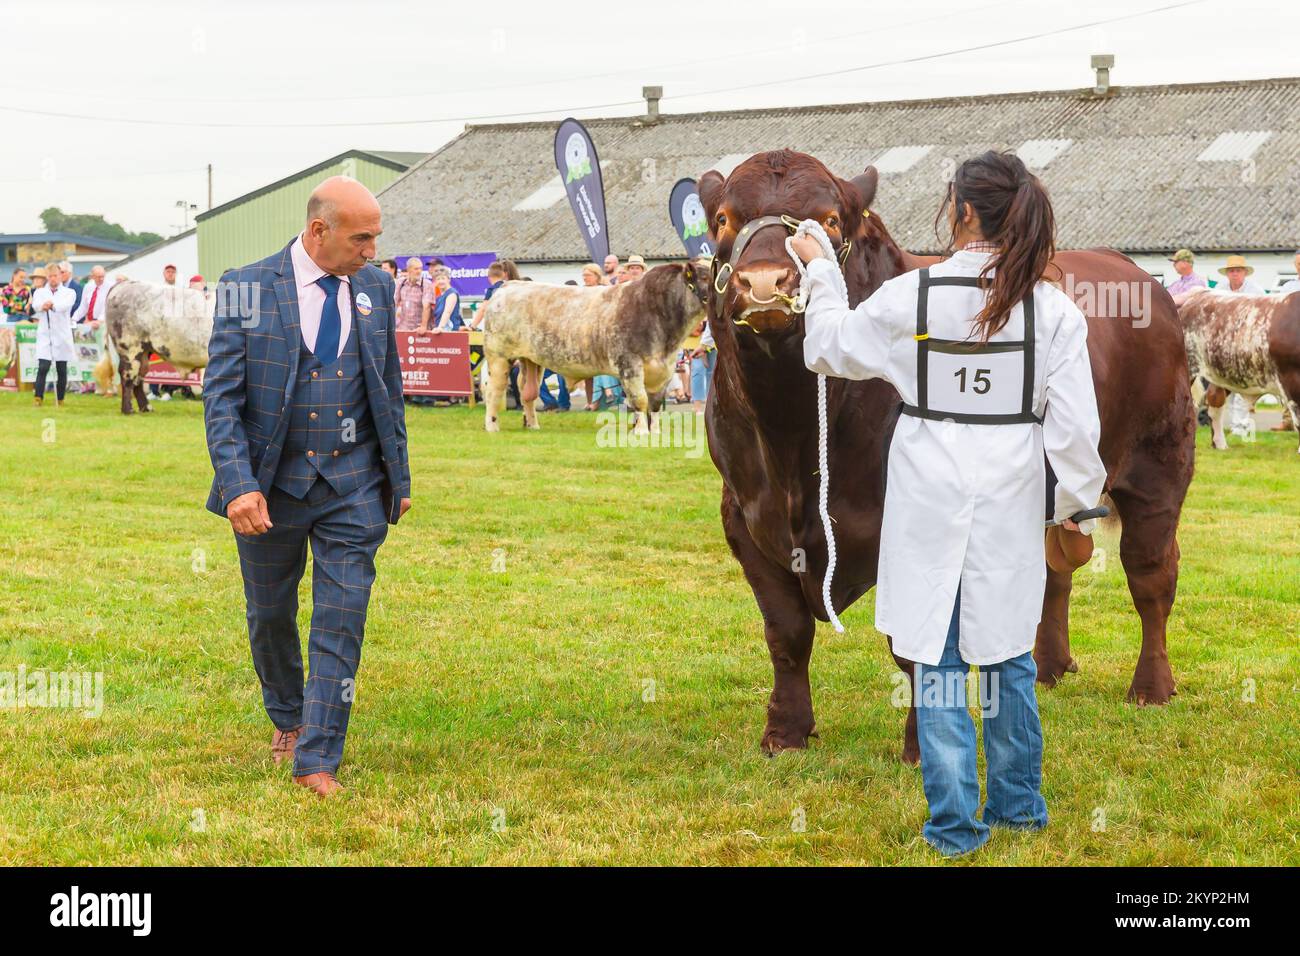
(468, 270)
(575, 158)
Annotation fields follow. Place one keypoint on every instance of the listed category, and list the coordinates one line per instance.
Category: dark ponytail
(1015, 212)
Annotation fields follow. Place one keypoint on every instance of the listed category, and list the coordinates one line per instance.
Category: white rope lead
(810, 227)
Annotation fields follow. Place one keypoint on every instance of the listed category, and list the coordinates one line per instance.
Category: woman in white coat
(52, 308)
(992, 366)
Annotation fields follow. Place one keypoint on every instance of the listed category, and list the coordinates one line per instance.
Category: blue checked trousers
(344, 532)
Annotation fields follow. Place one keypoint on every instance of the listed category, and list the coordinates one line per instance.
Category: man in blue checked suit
(302, 400)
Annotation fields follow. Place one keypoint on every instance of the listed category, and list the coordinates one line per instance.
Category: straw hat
(1236, 262)
(39, 273)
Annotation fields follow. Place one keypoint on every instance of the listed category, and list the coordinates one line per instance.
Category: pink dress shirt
(311, 298)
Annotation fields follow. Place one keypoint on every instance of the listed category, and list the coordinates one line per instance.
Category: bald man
(302, 400)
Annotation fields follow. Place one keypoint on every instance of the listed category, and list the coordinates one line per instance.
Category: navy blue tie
(331, 326)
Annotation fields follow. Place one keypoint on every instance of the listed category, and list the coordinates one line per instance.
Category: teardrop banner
(689, 221)
(575, 158)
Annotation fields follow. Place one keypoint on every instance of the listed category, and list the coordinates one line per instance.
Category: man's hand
(1069, 525)
(248, 514)
(403, 507)
(806, 248)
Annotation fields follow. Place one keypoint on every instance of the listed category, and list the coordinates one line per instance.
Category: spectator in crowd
(169, 275)
(592, 275)
(620, 276)
(446, 303)
(39, 281)
(1237, 271)
(53, 307)
(198, 283)
(1184, 265)
(609, 392)
(703, 360)
(611, 269)
(1294, 284)
(15, 297)
(65, 270)
(496, 276)
(95, 301)
(390, 266)
(549, 402)
(413, 297)
(512, 270)
(635, 267)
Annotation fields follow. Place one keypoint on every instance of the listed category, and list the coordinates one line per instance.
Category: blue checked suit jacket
(253, 367)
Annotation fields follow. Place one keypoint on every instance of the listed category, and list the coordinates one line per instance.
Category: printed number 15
(981, 382)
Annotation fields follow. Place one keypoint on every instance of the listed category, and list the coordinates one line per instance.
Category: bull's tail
(106, 375)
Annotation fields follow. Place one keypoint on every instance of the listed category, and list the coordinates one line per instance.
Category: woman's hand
(807, 248)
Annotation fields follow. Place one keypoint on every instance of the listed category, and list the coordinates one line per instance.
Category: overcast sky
(289, 84)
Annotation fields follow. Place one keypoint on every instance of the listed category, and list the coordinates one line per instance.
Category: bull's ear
(710, 190)
(865, 183)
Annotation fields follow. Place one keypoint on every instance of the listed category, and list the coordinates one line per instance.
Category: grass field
(504, 713)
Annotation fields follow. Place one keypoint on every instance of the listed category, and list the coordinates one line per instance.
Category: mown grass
(501, 715)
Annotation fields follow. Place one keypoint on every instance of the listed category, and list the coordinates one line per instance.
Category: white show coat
(54, 327)
(964, 503)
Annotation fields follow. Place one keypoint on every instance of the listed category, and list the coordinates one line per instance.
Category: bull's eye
(722, 219)
(832, 222)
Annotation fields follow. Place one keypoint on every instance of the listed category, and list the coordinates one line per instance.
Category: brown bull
(762, 426)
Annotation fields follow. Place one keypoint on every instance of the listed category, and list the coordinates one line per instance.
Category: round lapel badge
(363, 304)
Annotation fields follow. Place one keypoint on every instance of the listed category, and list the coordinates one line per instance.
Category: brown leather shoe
(282, 744)
(322, 784)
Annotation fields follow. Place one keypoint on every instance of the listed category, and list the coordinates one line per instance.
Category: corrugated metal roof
(91, 242)
(1130, 171)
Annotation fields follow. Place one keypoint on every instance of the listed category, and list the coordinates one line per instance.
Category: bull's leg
(494, 395)
(142, 396)
(1149, 498)
(127, 388)
(911, 746)
(1216, 401)
(1288, 380)
(530, 383)
(632, 372)
(788, 628)
(1052, 643)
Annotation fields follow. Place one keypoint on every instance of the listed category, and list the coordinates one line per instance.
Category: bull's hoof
(1051, 670)
(1151, 693)
(776, 740)
(492, 425)
(1153, 683)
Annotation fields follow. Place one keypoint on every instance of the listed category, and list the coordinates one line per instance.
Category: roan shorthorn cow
(1249, 344)
(630, 330)
(144, 318)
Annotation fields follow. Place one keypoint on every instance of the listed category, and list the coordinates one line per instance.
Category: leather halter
(722, 273)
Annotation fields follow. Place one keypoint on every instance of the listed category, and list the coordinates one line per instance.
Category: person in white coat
(52, 308)
(992, 365)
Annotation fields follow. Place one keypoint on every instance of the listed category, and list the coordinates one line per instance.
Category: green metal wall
(253, 230)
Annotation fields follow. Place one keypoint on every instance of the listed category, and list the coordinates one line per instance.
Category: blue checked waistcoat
(255, 403)
(330, 432)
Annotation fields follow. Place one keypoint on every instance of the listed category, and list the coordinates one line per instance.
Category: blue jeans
(702, 375)
(1013, 748)
(547, 399)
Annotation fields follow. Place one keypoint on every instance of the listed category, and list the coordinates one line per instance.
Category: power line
(205, 124)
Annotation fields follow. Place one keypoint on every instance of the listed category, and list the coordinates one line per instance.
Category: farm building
(29, 250)
(255, 225)
(1145, 169)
